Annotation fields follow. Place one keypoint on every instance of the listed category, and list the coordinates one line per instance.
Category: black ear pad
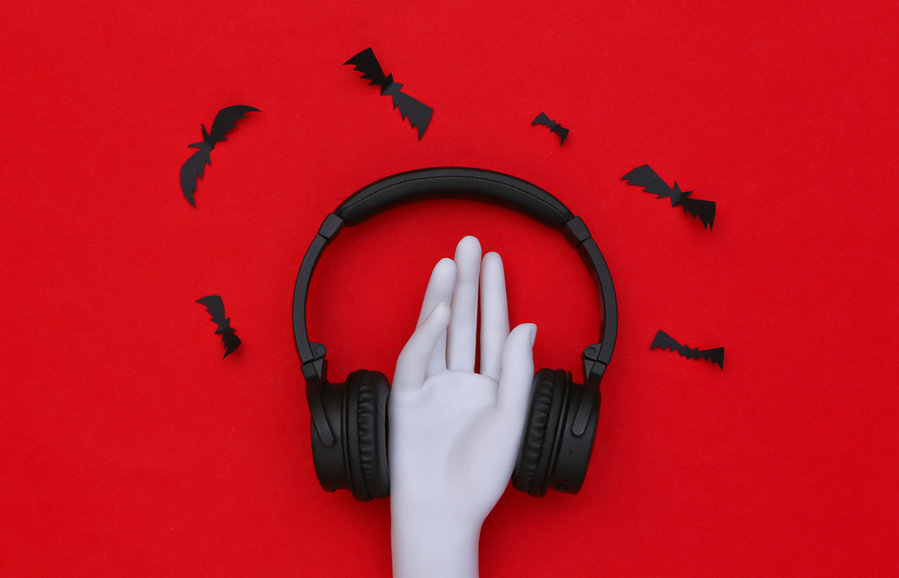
(366, 434)
(549, 395)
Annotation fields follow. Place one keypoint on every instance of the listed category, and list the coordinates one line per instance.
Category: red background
(129, 448)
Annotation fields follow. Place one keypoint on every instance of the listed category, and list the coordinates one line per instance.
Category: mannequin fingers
(494, 315)
(462, 332)
(440, 290)
(412, 363)
(440, 287)
(517, 372)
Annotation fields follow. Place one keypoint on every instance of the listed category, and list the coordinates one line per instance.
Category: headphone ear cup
(330, 459)
(549, 395)
(575, 442)
(366, 434)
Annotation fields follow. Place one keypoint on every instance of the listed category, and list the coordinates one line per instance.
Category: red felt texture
(130, 448)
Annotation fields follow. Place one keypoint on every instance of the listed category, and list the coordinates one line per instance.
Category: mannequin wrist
(433, 544)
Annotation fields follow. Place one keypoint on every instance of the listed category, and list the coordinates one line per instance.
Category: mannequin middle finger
(463, 325)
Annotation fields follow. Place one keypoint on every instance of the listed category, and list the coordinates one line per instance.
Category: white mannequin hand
(454, 434)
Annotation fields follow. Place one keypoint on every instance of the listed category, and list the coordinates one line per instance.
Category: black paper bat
(652, 183)
(664, 341)
(194, 166)
(419, 114)
(553, 126)
(216, 307)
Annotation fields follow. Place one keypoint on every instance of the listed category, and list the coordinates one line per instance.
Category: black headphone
(349, 421)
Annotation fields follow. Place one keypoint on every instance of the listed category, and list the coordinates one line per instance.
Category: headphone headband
(454, 182)
(498, 188)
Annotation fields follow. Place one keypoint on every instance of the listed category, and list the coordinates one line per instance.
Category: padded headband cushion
(454, 181)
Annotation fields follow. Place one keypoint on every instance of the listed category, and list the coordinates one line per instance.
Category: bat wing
(366, 63)
(225, 119)
(231, 342)
(192, 169)
(702, 210)
(419, 113)
(544, 120)
(664, 341)
(714, 355)
(554, 127)
(651, 182)
(215, 306)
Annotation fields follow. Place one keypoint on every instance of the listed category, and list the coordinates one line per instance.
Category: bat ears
(676, 188)
(208, 142)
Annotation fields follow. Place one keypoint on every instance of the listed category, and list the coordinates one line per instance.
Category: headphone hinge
(330, 227)
(594, 367)
(576, 232)
(315, 369)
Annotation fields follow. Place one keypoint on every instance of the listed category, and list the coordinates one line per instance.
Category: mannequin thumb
(517, 370)
(412, 364)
